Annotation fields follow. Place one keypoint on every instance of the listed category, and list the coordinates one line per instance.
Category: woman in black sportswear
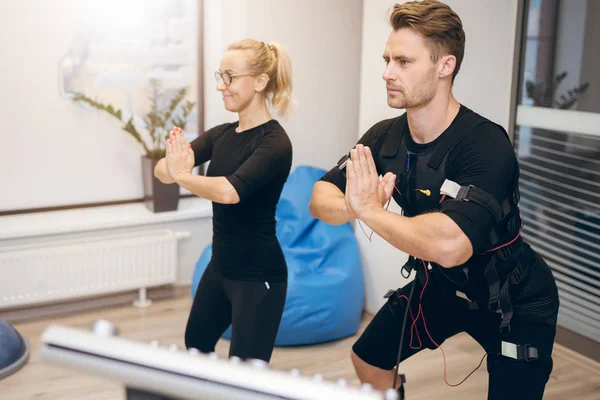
(245, 282)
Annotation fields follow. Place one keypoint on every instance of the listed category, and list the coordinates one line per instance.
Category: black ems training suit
(504, 296)
(245, 282)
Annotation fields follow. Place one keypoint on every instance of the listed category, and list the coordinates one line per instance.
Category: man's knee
(356, 360)
(380, 379)
(366, 372)
(528, 378)
(361, 367)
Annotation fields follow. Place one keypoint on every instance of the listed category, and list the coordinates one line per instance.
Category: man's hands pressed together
(365, 193)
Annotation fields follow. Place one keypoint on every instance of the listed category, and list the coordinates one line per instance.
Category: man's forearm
(217, 189)
(432, 237)
(333, 211)
(328, 204)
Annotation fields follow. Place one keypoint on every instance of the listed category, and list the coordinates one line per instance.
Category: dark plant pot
(158, 196)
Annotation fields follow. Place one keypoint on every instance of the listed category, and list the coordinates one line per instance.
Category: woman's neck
(254, 115)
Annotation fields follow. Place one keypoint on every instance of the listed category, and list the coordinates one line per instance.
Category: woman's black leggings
(253, 309)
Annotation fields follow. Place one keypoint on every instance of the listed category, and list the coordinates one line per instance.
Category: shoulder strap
(394, 136)
(462, 125)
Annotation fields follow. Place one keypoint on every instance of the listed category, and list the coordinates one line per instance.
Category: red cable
(516, 237)
(439, 346)
(412, 326)
(420, 310)
(505, 244)
(369, 236)
(363, 229)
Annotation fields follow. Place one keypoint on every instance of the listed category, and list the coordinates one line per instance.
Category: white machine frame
(168, 371)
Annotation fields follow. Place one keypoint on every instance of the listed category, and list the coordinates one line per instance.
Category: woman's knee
(194, 339)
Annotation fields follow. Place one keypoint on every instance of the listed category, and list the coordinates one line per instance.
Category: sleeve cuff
(239, 186)
(470, 228)
(334, 176)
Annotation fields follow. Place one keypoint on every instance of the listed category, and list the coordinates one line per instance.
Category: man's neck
(428, 122)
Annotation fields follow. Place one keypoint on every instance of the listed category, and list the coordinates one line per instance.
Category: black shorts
(442, 315)
(253, 309)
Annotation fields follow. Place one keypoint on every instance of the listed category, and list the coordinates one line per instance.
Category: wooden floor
(574, 376)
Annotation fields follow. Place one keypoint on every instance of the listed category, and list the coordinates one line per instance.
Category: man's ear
(448, 64)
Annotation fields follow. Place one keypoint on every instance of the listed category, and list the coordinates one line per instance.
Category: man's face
(410, 75)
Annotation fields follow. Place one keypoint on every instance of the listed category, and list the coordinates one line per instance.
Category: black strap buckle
(505, 310)
(463, 193)
(499, 296)
(408, 267)
(470, 305)
(493, 281)
(517, 275)
(529, 353)
(505, 326)
(342, 164)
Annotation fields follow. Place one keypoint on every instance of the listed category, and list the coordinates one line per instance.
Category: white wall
(483, 84)
(54, 151)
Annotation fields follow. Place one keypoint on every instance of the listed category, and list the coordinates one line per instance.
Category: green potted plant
(158, 197)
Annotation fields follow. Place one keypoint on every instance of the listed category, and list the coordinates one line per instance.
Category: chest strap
(454, 132)
(394, 137)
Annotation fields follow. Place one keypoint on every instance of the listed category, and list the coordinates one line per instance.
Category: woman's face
(235, 81)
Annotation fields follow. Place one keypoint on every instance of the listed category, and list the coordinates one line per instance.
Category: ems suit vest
(423, 186)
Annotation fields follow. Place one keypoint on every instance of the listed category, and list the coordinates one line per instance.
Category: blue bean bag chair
(325, 295)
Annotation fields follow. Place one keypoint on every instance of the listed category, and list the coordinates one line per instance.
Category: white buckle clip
(450, 188)
(509, 350)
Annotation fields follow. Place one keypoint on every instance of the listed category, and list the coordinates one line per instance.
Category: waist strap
(499, 294)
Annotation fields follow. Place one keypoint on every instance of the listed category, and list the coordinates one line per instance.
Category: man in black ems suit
(455, 175)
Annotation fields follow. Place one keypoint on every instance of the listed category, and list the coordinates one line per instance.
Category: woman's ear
(262, 81)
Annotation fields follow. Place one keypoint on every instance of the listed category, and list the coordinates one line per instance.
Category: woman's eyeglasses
(227, 76)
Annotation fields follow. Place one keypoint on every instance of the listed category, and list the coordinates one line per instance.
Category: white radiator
(61, 270)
